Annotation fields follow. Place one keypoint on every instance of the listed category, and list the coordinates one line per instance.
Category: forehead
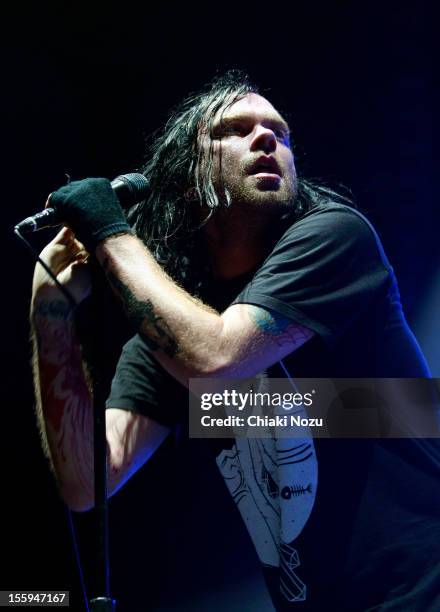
(251, 105)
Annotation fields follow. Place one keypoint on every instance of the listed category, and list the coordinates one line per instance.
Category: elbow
(79, 506)
(76, 499)
(79, 499)
(77, 496)
(213, 358)
(222, 367)
(215, 366)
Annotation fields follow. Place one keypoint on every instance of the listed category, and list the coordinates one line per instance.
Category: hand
(91, 209)
(67, 258)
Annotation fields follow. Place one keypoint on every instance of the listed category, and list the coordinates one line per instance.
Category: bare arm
(191, 339)
(64, 404)
(63, 401)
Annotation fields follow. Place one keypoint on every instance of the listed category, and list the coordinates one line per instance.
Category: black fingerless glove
(91, 209)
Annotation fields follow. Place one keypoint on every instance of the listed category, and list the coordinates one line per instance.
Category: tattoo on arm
(282, 330)
(143, 316)
(63, 401)
(53, 310)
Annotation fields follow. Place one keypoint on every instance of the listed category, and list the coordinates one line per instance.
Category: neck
(237, 243)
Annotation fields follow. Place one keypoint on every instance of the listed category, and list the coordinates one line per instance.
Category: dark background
(82, 87)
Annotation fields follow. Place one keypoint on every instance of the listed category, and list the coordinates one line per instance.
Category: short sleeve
(323, 273)
(142, 385)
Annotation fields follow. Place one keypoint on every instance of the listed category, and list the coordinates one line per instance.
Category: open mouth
(266, 166)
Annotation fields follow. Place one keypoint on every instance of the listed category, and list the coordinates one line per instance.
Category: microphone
(130, 188)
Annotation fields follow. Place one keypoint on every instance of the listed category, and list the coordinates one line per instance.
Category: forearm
(63, 400)
(186, 335)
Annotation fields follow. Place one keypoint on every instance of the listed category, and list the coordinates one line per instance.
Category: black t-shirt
(364, 531)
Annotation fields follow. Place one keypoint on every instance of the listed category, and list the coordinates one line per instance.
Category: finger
(65, 237)
(47, 204)
(80, 262)
(79, 245)
(81, 256)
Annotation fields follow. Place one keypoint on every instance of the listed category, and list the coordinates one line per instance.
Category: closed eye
(238, 129)
(233, 129)
(242, 128)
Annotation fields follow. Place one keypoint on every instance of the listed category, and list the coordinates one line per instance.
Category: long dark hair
(168, 220)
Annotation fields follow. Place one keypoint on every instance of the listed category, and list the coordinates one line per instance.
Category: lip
(265, 166)
(265, 176)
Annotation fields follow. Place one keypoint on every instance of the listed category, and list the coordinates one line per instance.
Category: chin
(264, 200)
(274, 198)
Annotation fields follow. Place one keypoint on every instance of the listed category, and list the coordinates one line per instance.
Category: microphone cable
(36, 257)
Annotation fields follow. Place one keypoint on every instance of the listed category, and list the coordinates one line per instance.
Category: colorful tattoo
(281, 329)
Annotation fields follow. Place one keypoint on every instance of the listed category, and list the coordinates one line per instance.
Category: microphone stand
(103, 602)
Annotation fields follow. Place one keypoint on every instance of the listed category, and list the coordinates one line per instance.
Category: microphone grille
(137, 183)
(131, 188)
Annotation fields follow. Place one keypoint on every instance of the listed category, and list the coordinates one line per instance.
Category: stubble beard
(261, 200)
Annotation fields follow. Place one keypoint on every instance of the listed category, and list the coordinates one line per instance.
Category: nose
(263, 139)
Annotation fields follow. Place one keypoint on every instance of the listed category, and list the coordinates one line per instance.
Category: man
(244, 268)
